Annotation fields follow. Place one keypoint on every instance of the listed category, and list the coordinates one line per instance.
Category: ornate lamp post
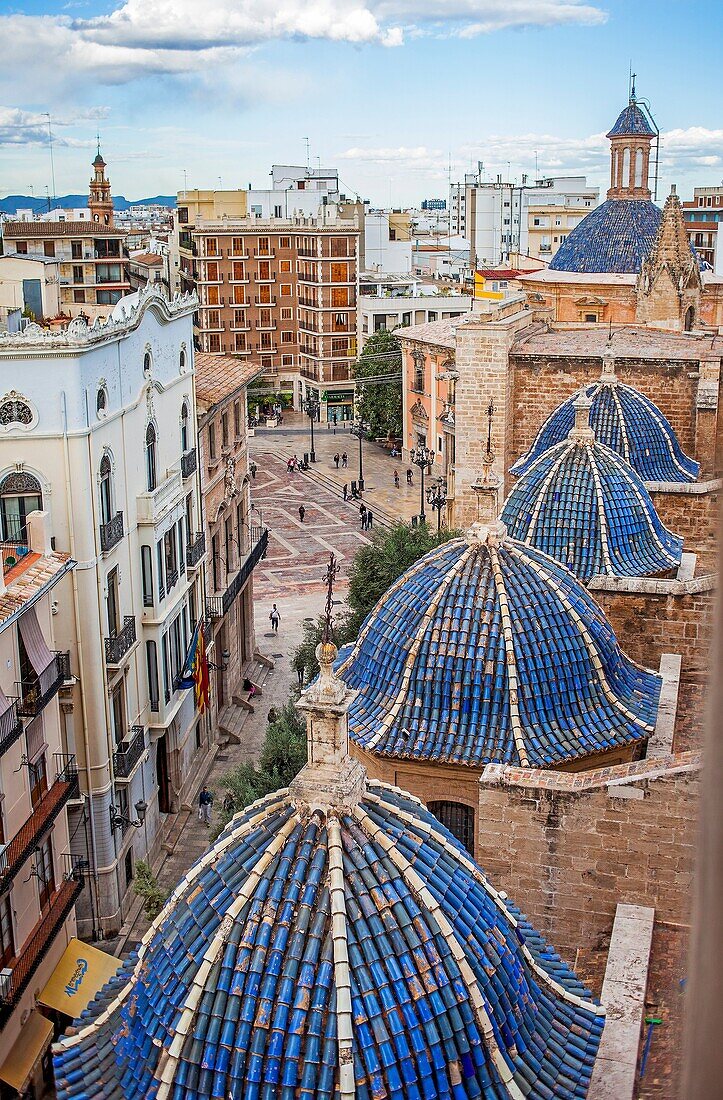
(358, 428)
(437, 499)
(423, 457)
(311, 407)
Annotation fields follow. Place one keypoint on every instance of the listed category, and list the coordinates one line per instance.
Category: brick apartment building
(281, 293)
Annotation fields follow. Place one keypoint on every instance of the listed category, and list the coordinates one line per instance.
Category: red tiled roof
(218, 376)
(39, 230)
(502, 272)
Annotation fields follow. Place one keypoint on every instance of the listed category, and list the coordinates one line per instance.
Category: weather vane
(330, 575)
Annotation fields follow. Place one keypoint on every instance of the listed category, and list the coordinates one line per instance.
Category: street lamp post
(437, 499)
(357, 429)
(422, 457)
(312, 411)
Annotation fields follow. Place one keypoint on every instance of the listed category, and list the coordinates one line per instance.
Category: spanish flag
(195, 669)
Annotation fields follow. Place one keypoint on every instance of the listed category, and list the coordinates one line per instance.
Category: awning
(30, 1045)
(82, 971)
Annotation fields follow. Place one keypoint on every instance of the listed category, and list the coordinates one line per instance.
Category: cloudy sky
(398, 94)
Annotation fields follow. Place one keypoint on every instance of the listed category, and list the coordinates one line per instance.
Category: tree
(145, 886)
(380, 406)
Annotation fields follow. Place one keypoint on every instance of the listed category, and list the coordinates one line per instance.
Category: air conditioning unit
(5, 983)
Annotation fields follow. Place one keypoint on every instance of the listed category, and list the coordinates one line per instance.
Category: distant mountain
(70, 202)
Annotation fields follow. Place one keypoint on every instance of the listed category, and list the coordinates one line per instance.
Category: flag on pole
(195, 669)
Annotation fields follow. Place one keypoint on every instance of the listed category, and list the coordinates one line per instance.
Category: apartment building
(389, 302)
(282, 294)
(233, 534)
(99, 431)
(703, 216)
(93, 258)
(548, 225)
(40, 881)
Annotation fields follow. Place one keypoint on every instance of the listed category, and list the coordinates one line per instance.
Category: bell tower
(100, 200)
(630, 141)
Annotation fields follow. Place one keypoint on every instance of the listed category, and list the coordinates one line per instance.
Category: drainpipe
(81, 663)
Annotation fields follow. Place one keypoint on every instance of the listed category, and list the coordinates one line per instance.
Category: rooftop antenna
(185, 182)
(52, 162)
(645, 106)
(307, 153)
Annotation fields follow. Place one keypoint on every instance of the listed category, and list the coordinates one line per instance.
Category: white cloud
(469, 18)
(399, 155)
(18, 127)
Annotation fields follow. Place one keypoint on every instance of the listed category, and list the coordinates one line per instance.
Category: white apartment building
(387, 242)
(98, 429)
(493, 216)
(389, 302)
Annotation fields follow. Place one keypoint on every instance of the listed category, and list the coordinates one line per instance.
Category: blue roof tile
(452, 992)
(489, 650)
(633, 121)
(629, 423)
(584, 505)
(614, 238)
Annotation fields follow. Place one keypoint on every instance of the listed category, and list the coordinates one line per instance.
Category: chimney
(39, 537)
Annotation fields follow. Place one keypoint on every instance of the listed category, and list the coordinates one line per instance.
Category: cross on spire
(330, 576)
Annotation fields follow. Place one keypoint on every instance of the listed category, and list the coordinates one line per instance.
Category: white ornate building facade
(98, 429)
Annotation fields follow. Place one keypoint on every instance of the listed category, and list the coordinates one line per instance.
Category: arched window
(458, 818)
(101, 401)
(20, 494)
(614, 169)
(639, 168)
(151, 442)
(184, 427)
(106, 490)
(627, 181)
(689, 319)
(182, 360)
(147, 364)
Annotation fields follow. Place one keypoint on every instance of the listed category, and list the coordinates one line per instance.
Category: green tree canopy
(380, 406)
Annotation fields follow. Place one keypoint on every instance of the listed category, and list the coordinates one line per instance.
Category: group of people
(344, 458)
(366, 517)
(293, 465)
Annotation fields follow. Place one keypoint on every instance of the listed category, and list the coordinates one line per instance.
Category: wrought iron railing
(129, 752)
(14, 854)
(15, 979)
(10, 726)
(171, 579)
(117, 646)
(35, 693)
(214, 607)
(111, 532)
(189, 462)
(196, 549)
(218, 606)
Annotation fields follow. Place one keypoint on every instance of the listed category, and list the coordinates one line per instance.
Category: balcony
(153, 506)
(189, 463)
(111, 532)
(28, 837)
(269, 302)
(117, 646)
(15, 978)
(218, 606)
(35, 694)
(10, 727)
(129, 752)
(196, 549)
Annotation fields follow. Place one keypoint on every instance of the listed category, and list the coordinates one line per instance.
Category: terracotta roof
(218, 376)
(503, 272)
(440, 333)
(21, 230)
(26, 585)
(150, 259)
(591, 341)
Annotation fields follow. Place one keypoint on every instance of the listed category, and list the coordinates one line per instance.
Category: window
(266, 362)
(112, 602)
(128, 866)
(107, 297)
(263, 248)
(214, 342)
(237, 420)
(285, 266)
(418, 372)
(7, 941)
(118, 713)
(287, 360)
(212, 296)
(265, 295)
(237, 246)
(170, 559)
(240, 341)
(339, 296)
(264, 270)
(184, 427)
(107, 273)
(79, 296)
(228, 543)
(287, 313)
(151, 458)
(265, 341)
(101, 401)
(147, 363)
(46, 872)
(278, 212)
(106, 490)
(38, 776)
(224, 429)
(212, 246)
(183, 215)
(20, 494)
(77, 273)
(458, 819)
(182, 360)
(239, 295)
(212, 441)
(284, 242)
(21, 247)
(147, 575)
(215, 562)
(237, 272)
(239, 318)
(339, 273)
(285, 290)
(264, 318)
(591, 318)
(49, 248)
(212, 272)
(287, 337)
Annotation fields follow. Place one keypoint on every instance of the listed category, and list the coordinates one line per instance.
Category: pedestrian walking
(344, 461)
(205, 802)
(345, 490)
(396, 479)
(363, 516)
(252, 470)
(409, 476)
(336, 460)
(302, 512)
(370, 520)
(275, 618)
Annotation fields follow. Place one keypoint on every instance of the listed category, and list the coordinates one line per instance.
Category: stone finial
(608, 365)
(489, 534)
(582, 430)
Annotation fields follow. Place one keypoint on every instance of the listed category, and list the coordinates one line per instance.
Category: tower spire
(100, 200)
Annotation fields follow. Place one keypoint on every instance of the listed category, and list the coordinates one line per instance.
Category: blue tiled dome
(330, 954)
(626, 421)
(584, 505)
(615, 237)
(489, 650)
(631, 120)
